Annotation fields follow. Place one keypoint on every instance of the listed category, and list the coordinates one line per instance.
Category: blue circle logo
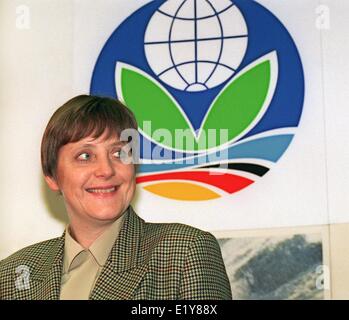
(217, 87)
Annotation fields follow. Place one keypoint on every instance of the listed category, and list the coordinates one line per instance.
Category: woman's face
(96, 184)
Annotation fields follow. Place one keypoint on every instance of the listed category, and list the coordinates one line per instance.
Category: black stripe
(247, 167)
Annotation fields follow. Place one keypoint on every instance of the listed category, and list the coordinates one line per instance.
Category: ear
(52, 183)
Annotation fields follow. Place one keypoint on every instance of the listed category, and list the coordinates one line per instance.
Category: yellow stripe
(182, 191)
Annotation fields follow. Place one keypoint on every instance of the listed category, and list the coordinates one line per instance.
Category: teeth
(101, 190)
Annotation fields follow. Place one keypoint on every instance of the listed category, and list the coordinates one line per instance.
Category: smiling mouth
(102, 190)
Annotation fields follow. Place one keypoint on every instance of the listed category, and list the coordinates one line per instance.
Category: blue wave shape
(267, 148)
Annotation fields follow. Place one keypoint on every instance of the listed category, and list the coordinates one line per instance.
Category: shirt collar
(71, 249)
(100, 248)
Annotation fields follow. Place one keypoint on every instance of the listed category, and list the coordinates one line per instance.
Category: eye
(84, 156)
(122, 154)
(117, 154)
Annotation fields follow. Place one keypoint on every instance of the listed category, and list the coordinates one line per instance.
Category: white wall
(44, 65)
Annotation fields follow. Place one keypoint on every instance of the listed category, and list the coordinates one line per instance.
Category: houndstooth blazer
(148, 261)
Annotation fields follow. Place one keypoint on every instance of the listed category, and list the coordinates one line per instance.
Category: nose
(104, 168)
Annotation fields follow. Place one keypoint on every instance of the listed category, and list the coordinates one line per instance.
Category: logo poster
(220, 94)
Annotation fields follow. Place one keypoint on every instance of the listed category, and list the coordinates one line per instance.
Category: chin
(107, 215)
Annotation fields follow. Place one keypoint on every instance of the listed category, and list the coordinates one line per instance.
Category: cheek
(129, 178)
(74, 181)
(129, 193)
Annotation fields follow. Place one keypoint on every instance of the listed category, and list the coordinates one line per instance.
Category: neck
(86, 234)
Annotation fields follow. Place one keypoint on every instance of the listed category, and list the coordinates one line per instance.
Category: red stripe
(228, 182)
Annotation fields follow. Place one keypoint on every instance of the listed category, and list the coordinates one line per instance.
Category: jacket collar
(120, 276)
(125, 267)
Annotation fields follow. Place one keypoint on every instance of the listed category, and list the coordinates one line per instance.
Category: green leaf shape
(242, 103)
(151, 102)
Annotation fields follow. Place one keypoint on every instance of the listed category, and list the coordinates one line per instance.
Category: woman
(107, 251)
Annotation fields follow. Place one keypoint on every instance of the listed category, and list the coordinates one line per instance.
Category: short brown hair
(81, 117)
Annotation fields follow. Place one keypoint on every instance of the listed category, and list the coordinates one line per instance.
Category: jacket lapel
(124, 268)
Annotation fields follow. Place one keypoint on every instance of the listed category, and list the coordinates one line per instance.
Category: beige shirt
(81, 267)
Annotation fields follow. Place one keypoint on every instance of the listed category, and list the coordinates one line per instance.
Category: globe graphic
(195, 45)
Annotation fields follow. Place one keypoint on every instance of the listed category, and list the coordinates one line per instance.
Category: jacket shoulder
(184, 262)
(176, 238)
(177, 232)
(32, 255)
